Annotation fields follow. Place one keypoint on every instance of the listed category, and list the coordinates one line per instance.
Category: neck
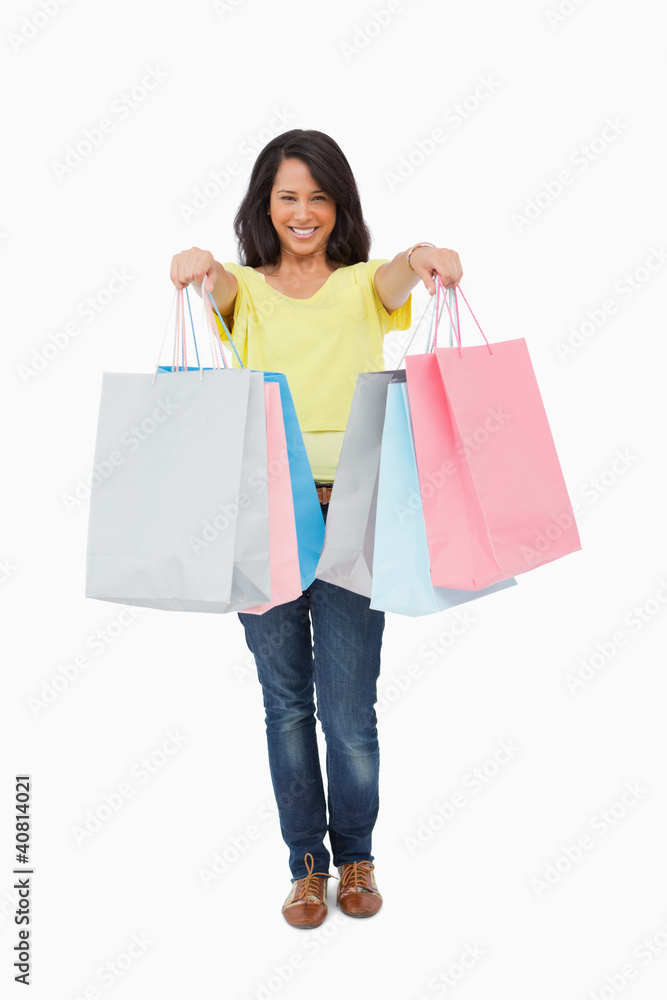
(306, 264)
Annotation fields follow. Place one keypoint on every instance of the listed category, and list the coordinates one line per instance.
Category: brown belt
(324, 491)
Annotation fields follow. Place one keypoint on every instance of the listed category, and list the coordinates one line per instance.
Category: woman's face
(296, 204)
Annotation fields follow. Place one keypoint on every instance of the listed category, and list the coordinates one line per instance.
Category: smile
(302, 233)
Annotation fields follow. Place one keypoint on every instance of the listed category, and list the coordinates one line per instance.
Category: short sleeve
(399, 319)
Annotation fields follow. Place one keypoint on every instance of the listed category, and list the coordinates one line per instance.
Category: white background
(220, 77)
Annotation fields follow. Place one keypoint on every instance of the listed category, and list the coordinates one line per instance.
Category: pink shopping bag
(494, 498)
(283, 547)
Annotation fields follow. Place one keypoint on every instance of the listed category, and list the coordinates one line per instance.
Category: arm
(395, 280)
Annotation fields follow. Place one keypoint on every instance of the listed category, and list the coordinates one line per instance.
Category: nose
(302, 212)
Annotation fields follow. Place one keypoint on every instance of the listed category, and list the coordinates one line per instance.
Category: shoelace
(310, 887)
(356, 875)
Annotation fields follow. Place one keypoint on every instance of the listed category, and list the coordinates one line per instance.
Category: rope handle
(179, 345)
(456, 326)
(210, 304)
(209, 326)
(429, 344)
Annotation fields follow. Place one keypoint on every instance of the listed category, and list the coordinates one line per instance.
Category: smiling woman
(301, 213)
(307, 301)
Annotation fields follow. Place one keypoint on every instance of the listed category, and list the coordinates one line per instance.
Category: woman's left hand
(426, 261)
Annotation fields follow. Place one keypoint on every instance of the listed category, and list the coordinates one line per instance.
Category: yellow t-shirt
(320, 343)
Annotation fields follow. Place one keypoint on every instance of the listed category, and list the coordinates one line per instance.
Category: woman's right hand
(194, 265)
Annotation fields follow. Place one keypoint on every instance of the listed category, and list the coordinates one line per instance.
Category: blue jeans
(342, 664)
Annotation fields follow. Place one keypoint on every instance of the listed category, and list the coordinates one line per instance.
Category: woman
(309, 303)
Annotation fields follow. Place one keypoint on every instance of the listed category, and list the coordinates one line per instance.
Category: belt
(324, 491)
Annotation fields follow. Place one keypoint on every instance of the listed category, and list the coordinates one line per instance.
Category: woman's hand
(200, 266)
(194, 265)
(426, 261)
(395, 279)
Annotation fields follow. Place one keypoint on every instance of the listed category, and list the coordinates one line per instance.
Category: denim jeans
(340, 664)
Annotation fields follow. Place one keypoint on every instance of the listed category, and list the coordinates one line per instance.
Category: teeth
(302, 232)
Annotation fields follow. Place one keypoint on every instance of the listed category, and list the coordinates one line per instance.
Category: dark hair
(350, 239)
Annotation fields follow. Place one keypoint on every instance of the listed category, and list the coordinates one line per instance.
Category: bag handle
(457, 326)
(432, 341)
(209, 326)
(180, 324)
(207, 300)
(434, 313)
(181, 295)
(179, 344)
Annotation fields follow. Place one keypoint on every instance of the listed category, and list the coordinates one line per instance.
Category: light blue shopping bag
(401, 570)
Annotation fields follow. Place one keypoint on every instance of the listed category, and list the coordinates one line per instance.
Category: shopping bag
(306, 504)
(168, 526)
(401, 579)
(285, 571)
(148, 516)
(347, 553)
(251, 574)
(307, 509)
(494, 497)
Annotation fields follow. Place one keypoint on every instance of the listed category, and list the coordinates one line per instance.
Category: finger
(451, 271)
(428, 277)
(184, 271)
(173, 272)
(451, 279)
(445, 277)
(202, 273)
(192, 265)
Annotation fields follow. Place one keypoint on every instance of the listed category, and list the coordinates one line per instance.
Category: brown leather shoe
(358, 894)
(306, 905)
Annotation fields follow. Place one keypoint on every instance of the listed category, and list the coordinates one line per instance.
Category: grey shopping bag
(347, 555)
(164, 517)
